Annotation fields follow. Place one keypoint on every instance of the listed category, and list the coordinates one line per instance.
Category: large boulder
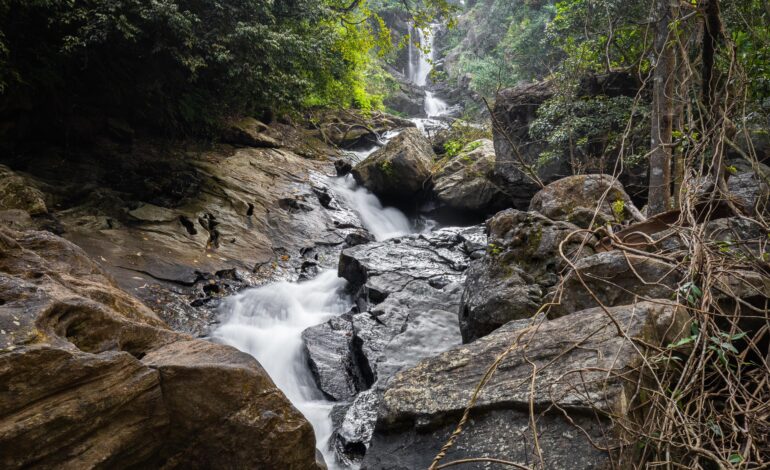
(515, 109)
(400, 170)
(585, 200)
(466, 181)
(353, 129)
(407, 291)
(514, 112)
(582, 369)
(249, 132)
(93, 378)
(750, 187)
(522, 263)
(615, 278)
(17, 193)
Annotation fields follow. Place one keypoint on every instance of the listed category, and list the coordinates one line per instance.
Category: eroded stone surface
(580, 361)
(93, 378)
(521, 265)
(399, 170)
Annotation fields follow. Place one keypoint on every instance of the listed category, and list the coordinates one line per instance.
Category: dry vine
(702, 401)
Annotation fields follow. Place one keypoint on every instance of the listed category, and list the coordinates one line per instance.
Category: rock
(406, 100)
(376, 270)
(16, 192)
(517, 108)
(521, 264)
(342, 167)
(399, 170)
(422, 405)
(616, 278)
(351, 129)
(250, 133)
(466, 181)
(16, 219)
(574, 199)
(256, 210)
(93, 378)
(495, 294)
(359, 237)
(357, 426)
(408, 294)
(329, 351)
(750, 187)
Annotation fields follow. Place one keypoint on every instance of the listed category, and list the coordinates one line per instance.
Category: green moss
(387, 168)
(533, 241)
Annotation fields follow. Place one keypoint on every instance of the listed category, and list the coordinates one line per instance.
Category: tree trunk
(659, 198)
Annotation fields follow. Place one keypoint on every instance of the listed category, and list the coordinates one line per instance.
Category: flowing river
(267, 322)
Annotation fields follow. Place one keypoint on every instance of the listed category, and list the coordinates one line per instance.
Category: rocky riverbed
(121, 284)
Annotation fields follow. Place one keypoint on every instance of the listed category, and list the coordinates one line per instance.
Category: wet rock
(16, 192)
(616, 278)
(466, 181)
(409, 293)
(249, 132)
(399, 170)
(575, 199)
(522, 262)
(255, 210)
(376, 270)
(421, 406)
(93, 378)
(358, 237)
(356, 428)
(342, 167)
(328, 347)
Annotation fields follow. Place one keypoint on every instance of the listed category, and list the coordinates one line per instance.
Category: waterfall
(267, 322)
(425, 59)
(382, 222)
(434, 107)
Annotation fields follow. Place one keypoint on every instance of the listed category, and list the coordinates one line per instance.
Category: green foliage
(581, 30)
(590, 128)
(179, 66)
(509, 44)
(463, 137)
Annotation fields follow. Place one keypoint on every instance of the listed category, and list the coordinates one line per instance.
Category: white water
(267, 322)
(382, 222)
(419, 74)
(419, 70)
(435, 107)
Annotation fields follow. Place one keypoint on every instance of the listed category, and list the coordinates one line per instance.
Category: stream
(267, 322)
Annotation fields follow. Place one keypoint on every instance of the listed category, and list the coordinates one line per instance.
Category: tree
(662, 113)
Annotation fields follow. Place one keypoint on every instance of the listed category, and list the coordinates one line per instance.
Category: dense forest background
(180, 66)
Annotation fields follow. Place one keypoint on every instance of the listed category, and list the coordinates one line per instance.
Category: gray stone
(520, 266)
(616, 278)
(466, 181)
(586, 201)
(399, 170)
(421, 406)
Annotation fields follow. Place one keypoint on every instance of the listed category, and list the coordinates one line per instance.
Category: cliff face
(93, 378)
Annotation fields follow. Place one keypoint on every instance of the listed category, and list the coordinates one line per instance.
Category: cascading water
(420, 65)
(267, 322)
(419, 74)
(435, 107)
